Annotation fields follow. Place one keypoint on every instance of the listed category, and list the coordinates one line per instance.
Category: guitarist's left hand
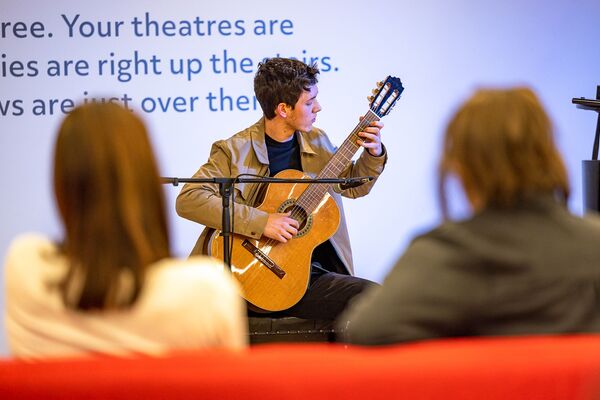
(371, 138)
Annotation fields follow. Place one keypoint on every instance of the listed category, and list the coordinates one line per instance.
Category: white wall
(441, 51)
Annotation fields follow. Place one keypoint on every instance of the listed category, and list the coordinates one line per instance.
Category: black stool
(290, 329)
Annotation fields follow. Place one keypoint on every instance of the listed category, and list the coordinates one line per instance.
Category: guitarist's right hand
(281, 227)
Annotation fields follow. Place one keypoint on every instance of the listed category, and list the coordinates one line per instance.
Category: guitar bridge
(263, 258)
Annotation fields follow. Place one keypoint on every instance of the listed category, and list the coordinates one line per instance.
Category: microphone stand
(225, 190)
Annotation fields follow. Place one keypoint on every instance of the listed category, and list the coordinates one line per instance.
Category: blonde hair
(110, 199)
(500, 144)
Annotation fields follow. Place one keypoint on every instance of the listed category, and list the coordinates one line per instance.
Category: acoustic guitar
(274, 275)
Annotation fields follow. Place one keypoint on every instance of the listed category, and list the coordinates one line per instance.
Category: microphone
(351, 183)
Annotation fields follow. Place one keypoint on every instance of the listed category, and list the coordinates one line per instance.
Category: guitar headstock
(385, 96)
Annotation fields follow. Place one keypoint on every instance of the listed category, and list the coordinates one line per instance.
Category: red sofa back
(545, 367)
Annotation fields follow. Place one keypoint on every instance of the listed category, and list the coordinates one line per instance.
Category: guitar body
(280, 290)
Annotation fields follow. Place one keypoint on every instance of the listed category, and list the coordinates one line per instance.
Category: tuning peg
(370, 98)
(379, 84)
(375, 91)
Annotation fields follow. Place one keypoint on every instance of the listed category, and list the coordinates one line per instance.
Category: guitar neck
(343, 156)
(313, 195)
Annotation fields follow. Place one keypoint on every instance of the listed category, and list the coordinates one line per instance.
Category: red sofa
(543, 367)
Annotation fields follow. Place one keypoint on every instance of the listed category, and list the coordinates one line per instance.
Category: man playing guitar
(283, 139)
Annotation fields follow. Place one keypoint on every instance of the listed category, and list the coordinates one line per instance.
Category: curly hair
(282, 80)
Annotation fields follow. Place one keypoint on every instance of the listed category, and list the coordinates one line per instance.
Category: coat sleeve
(201, 202)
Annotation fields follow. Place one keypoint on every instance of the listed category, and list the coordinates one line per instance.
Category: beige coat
(246, 153)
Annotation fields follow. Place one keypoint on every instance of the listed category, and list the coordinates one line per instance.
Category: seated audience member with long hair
(110, 286)
(521, 264)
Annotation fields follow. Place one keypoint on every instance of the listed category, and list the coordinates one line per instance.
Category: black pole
(591, 168)
(597, 137)
(225, 185)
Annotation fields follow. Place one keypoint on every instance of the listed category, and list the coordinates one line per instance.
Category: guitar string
(346, 151)
(299, 211)
(314, 194)
(309, 199)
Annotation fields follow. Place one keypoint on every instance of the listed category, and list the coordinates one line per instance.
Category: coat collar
(257, 134)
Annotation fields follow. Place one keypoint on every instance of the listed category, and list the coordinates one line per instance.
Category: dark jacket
(531, 269)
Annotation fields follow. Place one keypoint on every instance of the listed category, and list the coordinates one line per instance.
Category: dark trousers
(328, 294)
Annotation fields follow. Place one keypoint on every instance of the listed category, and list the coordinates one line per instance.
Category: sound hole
(299, 214)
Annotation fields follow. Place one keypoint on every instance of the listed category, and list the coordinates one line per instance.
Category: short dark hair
(282, 80)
